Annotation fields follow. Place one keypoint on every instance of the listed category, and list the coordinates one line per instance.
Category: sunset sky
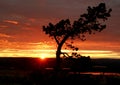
(21, 24)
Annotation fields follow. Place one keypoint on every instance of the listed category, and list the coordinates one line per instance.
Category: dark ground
(32, 71)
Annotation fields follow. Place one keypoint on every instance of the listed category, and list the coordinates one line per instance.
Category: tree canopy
(87, 23)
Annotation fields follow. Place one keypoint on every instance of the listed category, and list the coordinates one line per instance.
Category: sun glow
(43, 56)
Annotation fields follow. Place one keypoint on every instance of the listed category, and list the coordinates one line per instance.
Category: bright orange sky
(21, 24)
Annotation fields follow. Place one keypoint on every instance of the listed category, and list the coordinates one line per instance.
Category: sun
(43, 56)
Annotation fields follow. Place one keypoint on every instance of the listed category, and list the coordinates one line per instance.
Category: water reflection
(98, 73)
(89, 73)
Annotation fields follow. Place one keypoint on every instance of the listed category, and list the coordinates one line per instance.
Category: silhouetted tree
(88, 23)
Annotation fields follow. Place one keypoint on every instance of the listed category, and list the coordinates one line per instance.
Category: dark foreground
(36, 78)
(28, 71)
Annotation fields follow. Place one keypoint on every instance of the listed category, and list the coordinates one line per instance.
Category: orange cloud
(5, 35)
(11, 21)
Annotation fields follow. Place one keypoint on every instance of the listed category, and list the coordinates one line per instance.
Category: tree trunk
(58, 53)
(58, 60)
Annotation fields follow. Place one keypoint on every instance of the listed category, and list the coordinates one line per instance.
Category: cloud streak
(10, 21)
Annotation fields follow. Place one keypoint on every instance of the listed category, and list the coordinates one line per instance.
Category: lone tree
(88, 23)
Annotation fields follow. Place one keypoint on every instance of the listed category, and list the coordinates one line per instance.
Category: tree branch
(56, 40)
